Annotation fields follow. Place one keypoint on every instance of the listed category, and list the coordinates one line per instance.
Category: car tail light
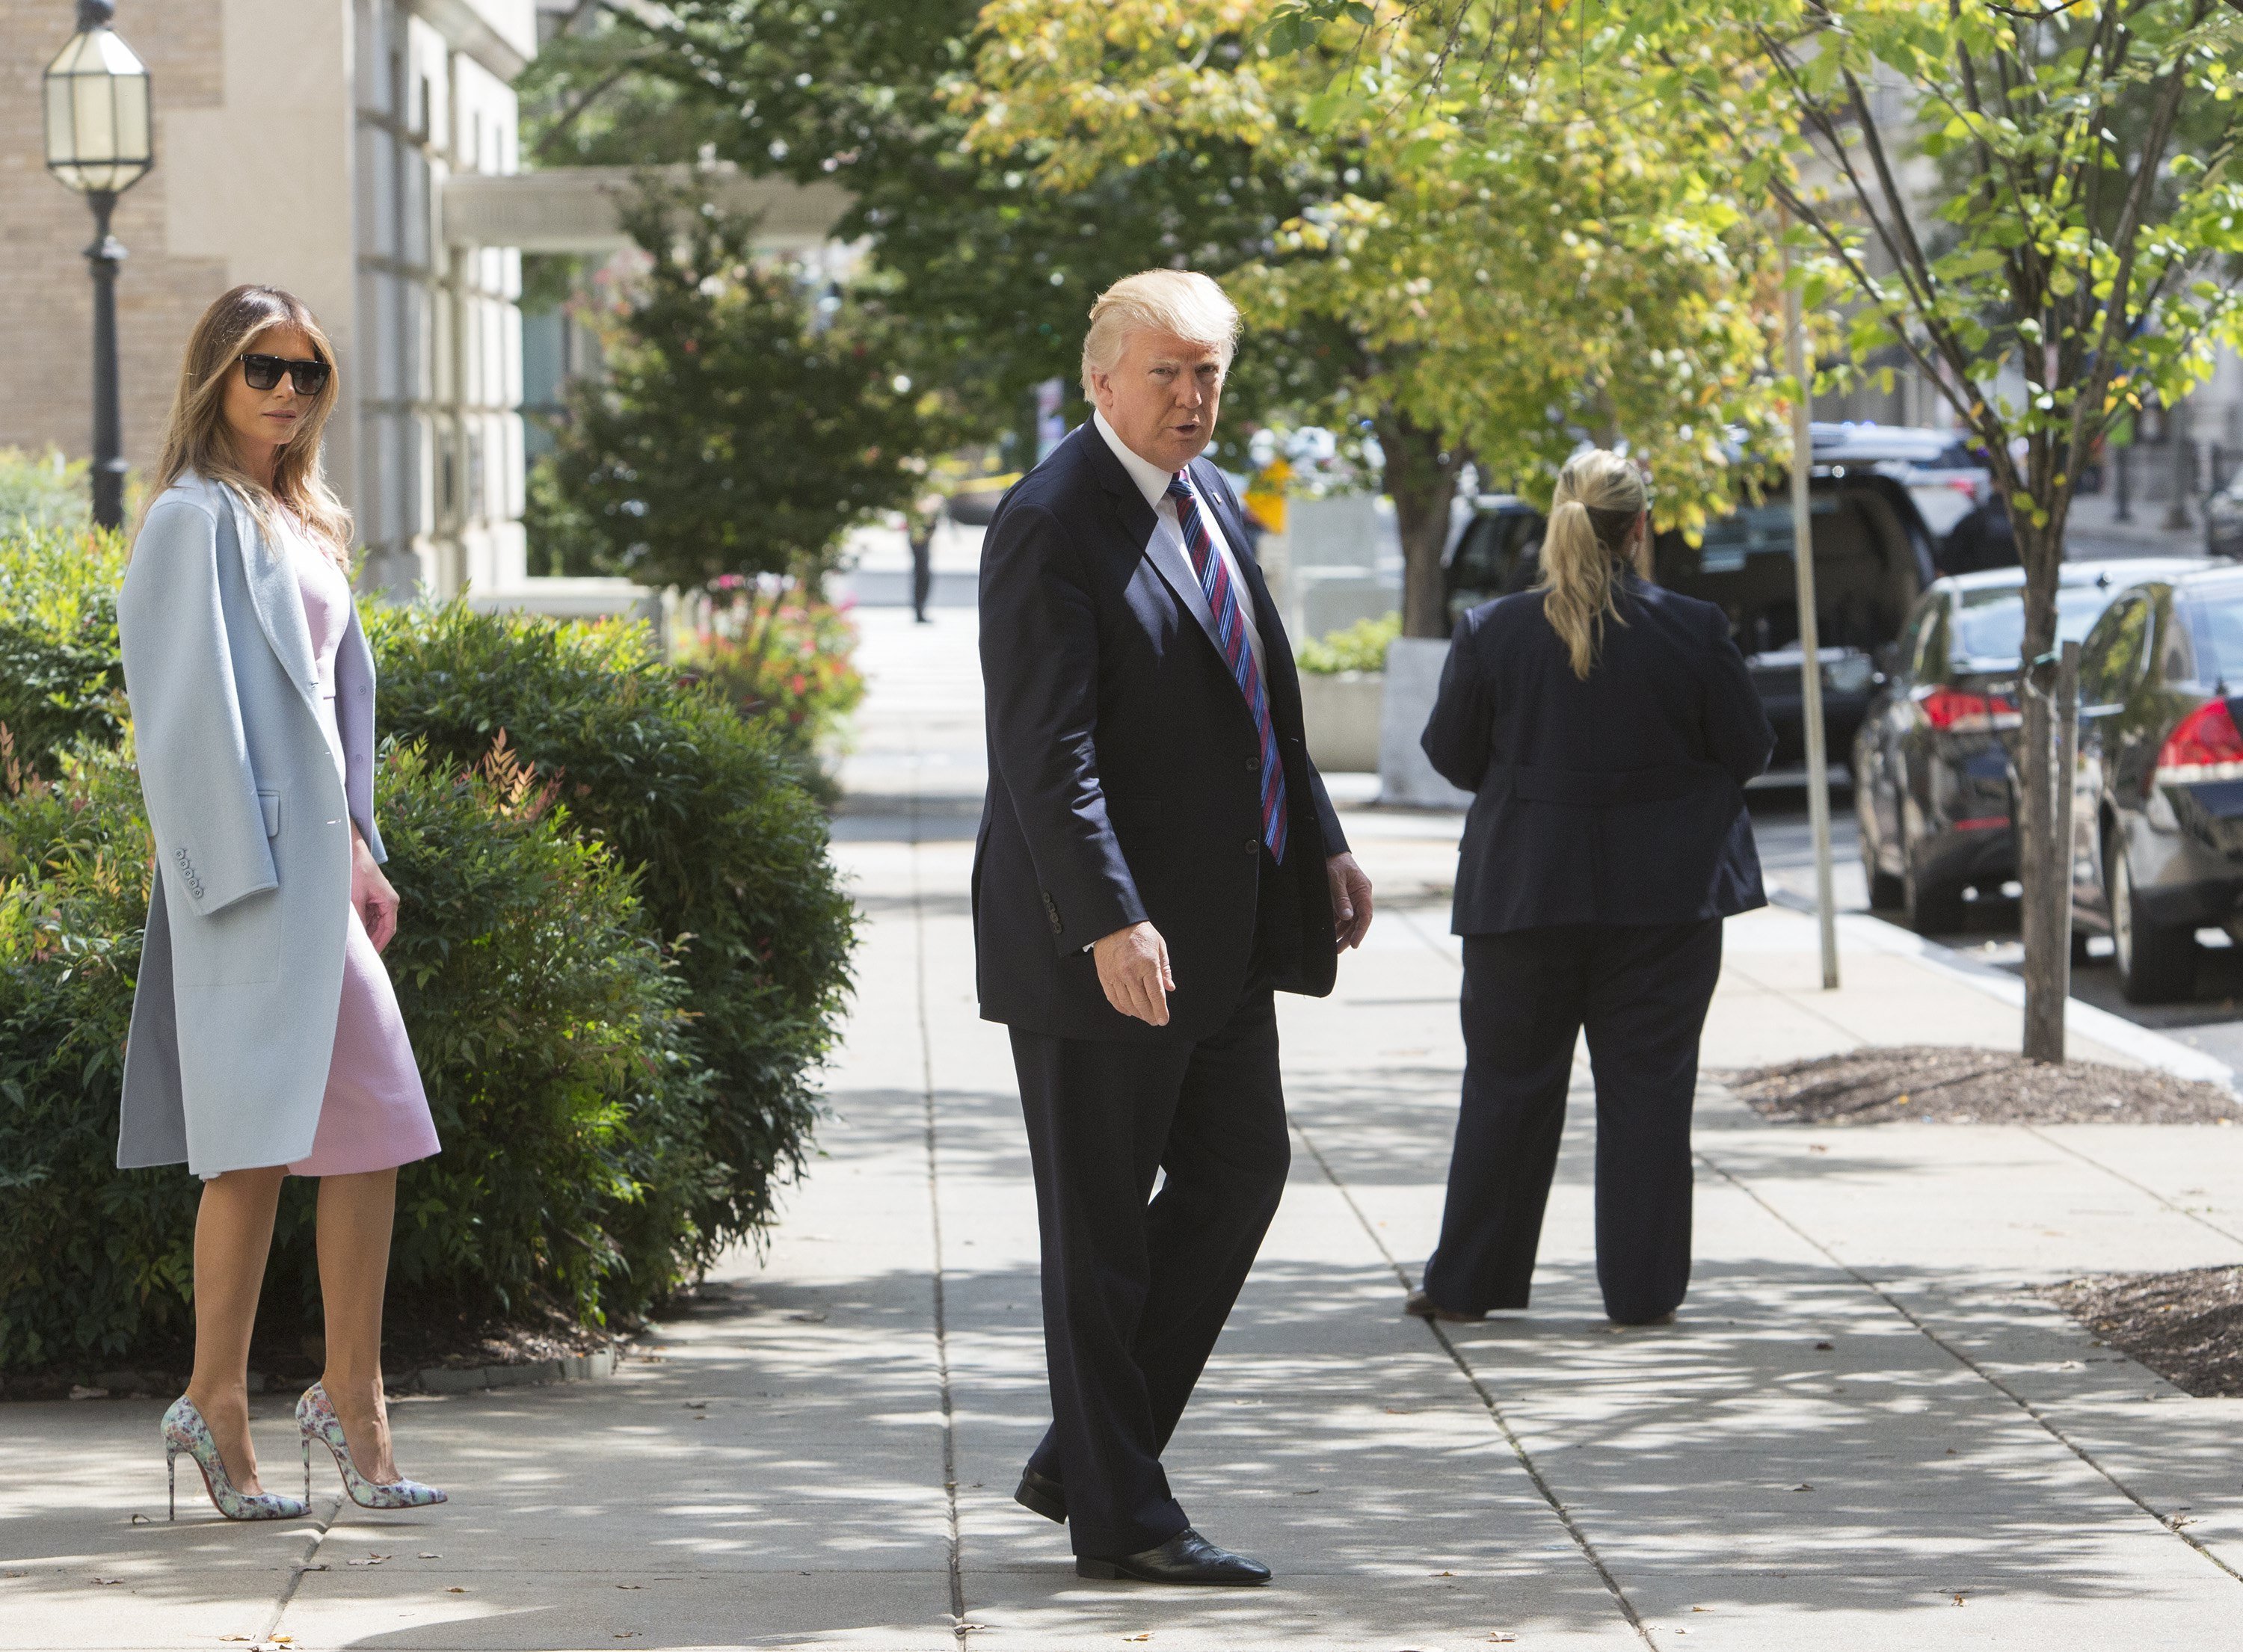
(1956, 712)
(2206, 745)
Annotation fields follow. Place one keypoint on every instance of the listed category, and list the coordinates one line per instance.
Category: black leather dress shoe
(1185, 1558)
(1041, 1495)
(1425, 1308)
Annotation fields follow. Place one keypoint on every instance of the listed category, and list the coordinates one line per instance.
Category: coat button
(1254, 846)
(1253, 765)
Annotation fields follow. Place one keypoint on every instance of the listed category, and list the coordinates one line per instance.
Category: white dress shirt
(1153, 482)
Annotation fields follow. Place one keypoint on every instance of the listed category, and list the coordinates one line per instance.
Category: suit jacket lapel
(1140, 524)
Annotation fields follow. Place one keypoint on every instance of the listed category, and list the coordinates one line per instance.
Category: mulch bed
(285, 1362)
(1954, 1085)
(2185, 1327)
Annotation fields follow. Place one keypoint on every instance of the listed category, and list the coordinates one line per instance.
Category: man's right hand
(1133, 967)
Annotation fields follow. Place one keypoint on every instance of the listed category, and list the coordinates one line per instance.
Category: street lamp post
(99, 143)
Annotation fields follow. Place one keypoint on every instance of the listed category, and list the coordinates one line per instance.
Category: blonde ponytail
(1588, 542)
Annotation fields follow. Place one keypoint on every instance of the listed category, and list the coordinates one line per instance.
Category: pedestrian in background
(266, 1037)
(921, 518)
(1607, 727)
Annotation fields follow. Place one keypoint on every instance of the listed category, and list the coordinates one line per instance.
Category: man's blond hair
(1183, 302)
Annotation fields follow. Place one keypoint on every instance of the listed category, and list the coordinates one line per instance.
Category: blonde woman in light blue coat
(265, 1037)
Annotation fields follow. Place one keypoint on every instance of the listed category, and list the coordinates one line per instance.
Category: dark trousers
(1137, 1287)
(1640, 992)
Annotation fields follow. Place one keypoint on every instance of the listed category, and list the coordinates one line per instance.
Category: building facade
(305, 144)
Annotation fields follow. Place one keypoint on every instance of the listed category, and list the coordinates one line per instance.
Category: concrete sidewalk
(1864, 1432)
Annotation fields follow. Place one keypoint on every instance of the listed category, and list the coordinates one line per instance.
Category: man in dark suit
(1156, 856)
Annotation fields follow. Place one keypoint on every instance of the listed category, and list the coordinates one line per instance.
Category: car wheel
(1929, 907)
(2157, 963)
(1884, 888)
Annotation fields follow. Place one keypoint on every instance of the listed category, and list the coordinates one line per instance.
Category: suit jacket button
(1254, 846)
(1253, 765)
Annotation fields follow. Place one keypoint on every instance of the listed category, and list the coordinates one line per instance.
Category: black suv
(1933, 766)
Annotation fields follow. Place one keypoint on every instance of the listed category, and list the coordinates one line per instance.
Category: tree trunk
(2043, 865)
(1421, 477)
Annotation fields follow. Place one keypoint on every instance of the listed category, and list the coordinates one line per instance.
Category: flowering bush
(780, 659)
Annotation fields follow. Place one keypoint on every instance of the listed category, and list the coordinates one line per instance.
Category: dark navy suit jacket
(1124, 766)
(1618, 800)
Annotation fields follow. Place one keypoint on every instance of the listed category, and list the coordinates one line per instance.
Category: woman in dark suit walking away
(1607, 727)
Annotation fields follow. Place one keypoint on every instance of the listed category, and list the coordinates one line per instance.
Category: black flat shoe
(1425, 1308)
(1041, 1495)
(1185, 1558)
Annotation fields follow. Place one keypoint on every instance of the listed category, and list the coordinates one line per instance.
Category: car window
(2219, 640)
(1930, 661)
(2113, 659)
(1990, 624)
(1910, 640)
(2176, 659)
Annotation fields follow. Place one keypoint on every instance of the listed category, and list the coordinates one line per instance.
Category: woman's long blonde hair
(1589, 541)
(195, 437)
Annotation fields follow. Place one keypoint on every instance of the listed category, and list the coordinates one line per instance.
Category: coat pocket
(270, 803)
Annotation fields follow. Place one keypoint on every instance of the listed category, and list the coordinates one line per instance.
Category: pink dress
(375, 1114)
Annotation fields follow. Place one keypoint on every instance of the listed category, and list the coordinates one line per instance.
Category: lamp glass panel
(73, 58)
(96, 107)
(132, 144)
(106, 49)
(62, 138)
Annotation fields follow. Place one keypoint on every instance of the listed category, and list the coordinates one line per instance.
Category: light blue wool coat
(234, 1017)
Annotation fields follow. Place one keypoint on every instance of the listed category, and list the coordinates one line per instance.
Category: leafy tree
(1517, 272)
(736, 430)
(987, 278)
(2079, 250)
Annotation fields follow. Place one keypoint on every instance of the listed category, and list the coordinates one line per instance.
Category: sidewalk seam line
(1487, 1398)
(959, 1626)
(2139, 1187)
(1969, 1363)
(296, 1572)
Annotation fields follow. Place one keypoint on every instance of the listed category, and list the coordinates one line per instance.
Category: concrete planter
(1341, 710)
(1413, 679)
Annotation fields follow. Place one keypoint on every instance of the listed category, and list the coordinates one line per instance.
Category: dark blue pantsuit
(1640, 992)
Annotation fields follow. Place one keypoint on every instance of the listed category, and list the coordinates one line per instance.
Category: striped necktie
(1223, 601)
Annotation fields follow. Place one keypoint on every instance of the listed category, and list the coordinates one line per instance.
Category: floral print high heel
(315, 1415)
(185, 1431)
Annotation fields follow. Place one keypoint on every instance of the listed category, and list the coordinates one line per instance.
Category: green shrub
(1360, 646)
(730, 851)
(620, 1006)
(59, 677)
(45, 492)
(91, 1261)
(547, 1026)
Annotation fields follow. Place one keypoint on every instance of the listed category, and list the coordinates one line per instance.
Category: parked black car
(2223, 519)
(2158, 798)
(1934, 767)
(1873, 556)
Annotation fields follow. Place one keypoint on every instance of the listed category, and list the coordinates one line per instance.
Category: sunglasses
(263, 372)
